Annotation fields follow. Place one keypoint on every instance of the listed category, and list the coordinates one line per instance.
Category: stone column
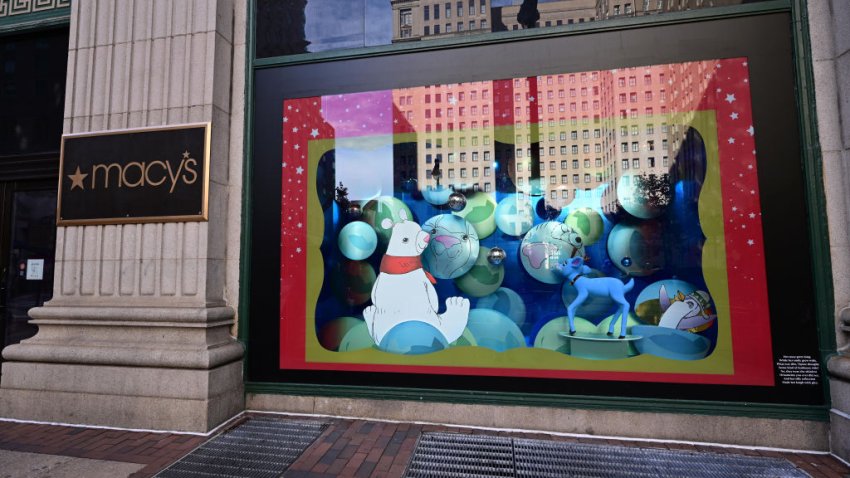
(138, 331)
(829, 26)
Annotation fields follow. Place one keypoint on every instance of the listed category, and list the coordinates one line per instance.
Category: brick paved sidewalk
(350, 448)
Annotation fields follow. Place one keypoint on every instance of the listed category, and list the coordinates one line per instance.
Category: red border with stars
(727, 94)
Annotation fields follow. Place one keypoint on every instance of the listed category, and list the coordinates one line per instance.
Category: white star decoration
(297, 146)
(731, 140)
(314, 132)
(299, 170)
(295, 129)
(751, 130)
(734, 116)
(298, 250)
(752, 215)
(750, 242)
(730, 98)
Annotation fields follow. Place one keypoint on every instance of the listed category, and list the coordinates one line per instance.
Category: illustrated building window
(650, 145)
(519, 182)
(664, 145)
(635, 131)
(551, 151)
(474, 172)
(436, 27)
(574, 149)
(518, 164)
(598, 162)
(647, 79)
(665, 162)
(460, 9)
(451, 173)
(436, 14)
(587, 163)
(624, 147)
(472, 25)
(462, 157)
(575, 178)
(598, 177)
(575, 164)
(650, 162)
(448, 27)
(552, 165)
(597, 148)
(624, 131)
(448, 10)
(463, 172)
(616, 9)
(625, 164)
(426, 12)
(635, 147)
(633, 97)
(428, 158)
(632, 81)
(586, 177)
(585, 148)
(487, 187)
(519, 154)
(475, 155)
(487, 169)
(636, 163)
(451, 157)
(460, 26)
(650, 128)
(621, 81)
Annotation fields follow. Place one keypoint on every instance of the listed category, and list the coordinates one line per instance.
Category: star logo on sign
(77, 179)
(186, 154)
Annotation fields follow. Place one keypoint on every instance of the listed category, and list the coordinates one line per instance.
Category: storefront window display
(580, 220)
(644, 261)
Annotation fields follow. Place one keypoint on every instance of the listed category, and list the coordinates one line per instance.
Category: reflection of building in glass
(590, 132)
(648, 113)
(418, 19)
(564, 12)
(454, 131)
(606, 9)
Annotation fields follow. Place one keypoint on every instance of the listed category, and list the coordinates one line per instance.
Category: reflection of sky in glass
(365, 166)
(363, 126)
(337, 24)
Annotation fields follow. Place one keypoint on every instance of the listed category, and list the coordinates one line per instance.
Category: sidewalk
(358, 448)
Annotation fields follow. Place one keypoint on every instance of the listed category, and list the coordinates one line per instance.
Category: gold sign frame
(204, 214)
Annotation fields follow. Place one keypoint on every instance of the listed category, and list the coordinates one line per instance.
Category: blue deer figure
(574, 270)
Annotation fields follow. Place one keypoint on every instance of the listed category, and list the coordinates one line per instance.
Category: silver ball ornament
(496, 256)
(354, 210)
(457, 201)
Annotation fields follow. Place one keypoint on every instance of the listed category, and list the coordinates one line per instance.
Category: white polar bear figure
(403, 290)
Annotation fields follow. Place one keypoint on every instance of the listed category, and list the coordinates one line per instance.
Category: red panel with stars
(727, 95)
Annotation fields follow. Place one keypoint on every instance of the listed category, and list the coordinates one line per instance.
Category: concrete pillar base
(839, 416)
(127, 397)
(163, 368)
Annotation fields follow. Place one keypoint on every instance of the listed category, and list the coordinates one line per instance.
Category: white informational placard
(35, 269)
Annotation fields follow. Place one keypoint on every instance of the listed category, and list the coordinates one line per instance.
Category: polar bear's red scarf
(403, 265)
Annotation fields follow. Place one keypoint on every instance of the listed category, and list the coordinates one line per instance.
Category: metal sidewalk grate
(457, 455)
(258, 448)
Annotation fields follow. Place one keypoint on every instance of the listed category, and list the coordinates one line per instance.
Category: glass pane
(305, 26)
(32, 92)
(611, 215)
(29, 279)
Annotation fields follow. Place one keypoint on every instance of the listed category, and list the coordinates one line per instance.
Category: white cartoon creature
(404, 291)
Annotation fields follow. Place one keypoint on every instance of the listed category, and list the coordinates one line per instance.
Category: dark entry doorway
(27, 248)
